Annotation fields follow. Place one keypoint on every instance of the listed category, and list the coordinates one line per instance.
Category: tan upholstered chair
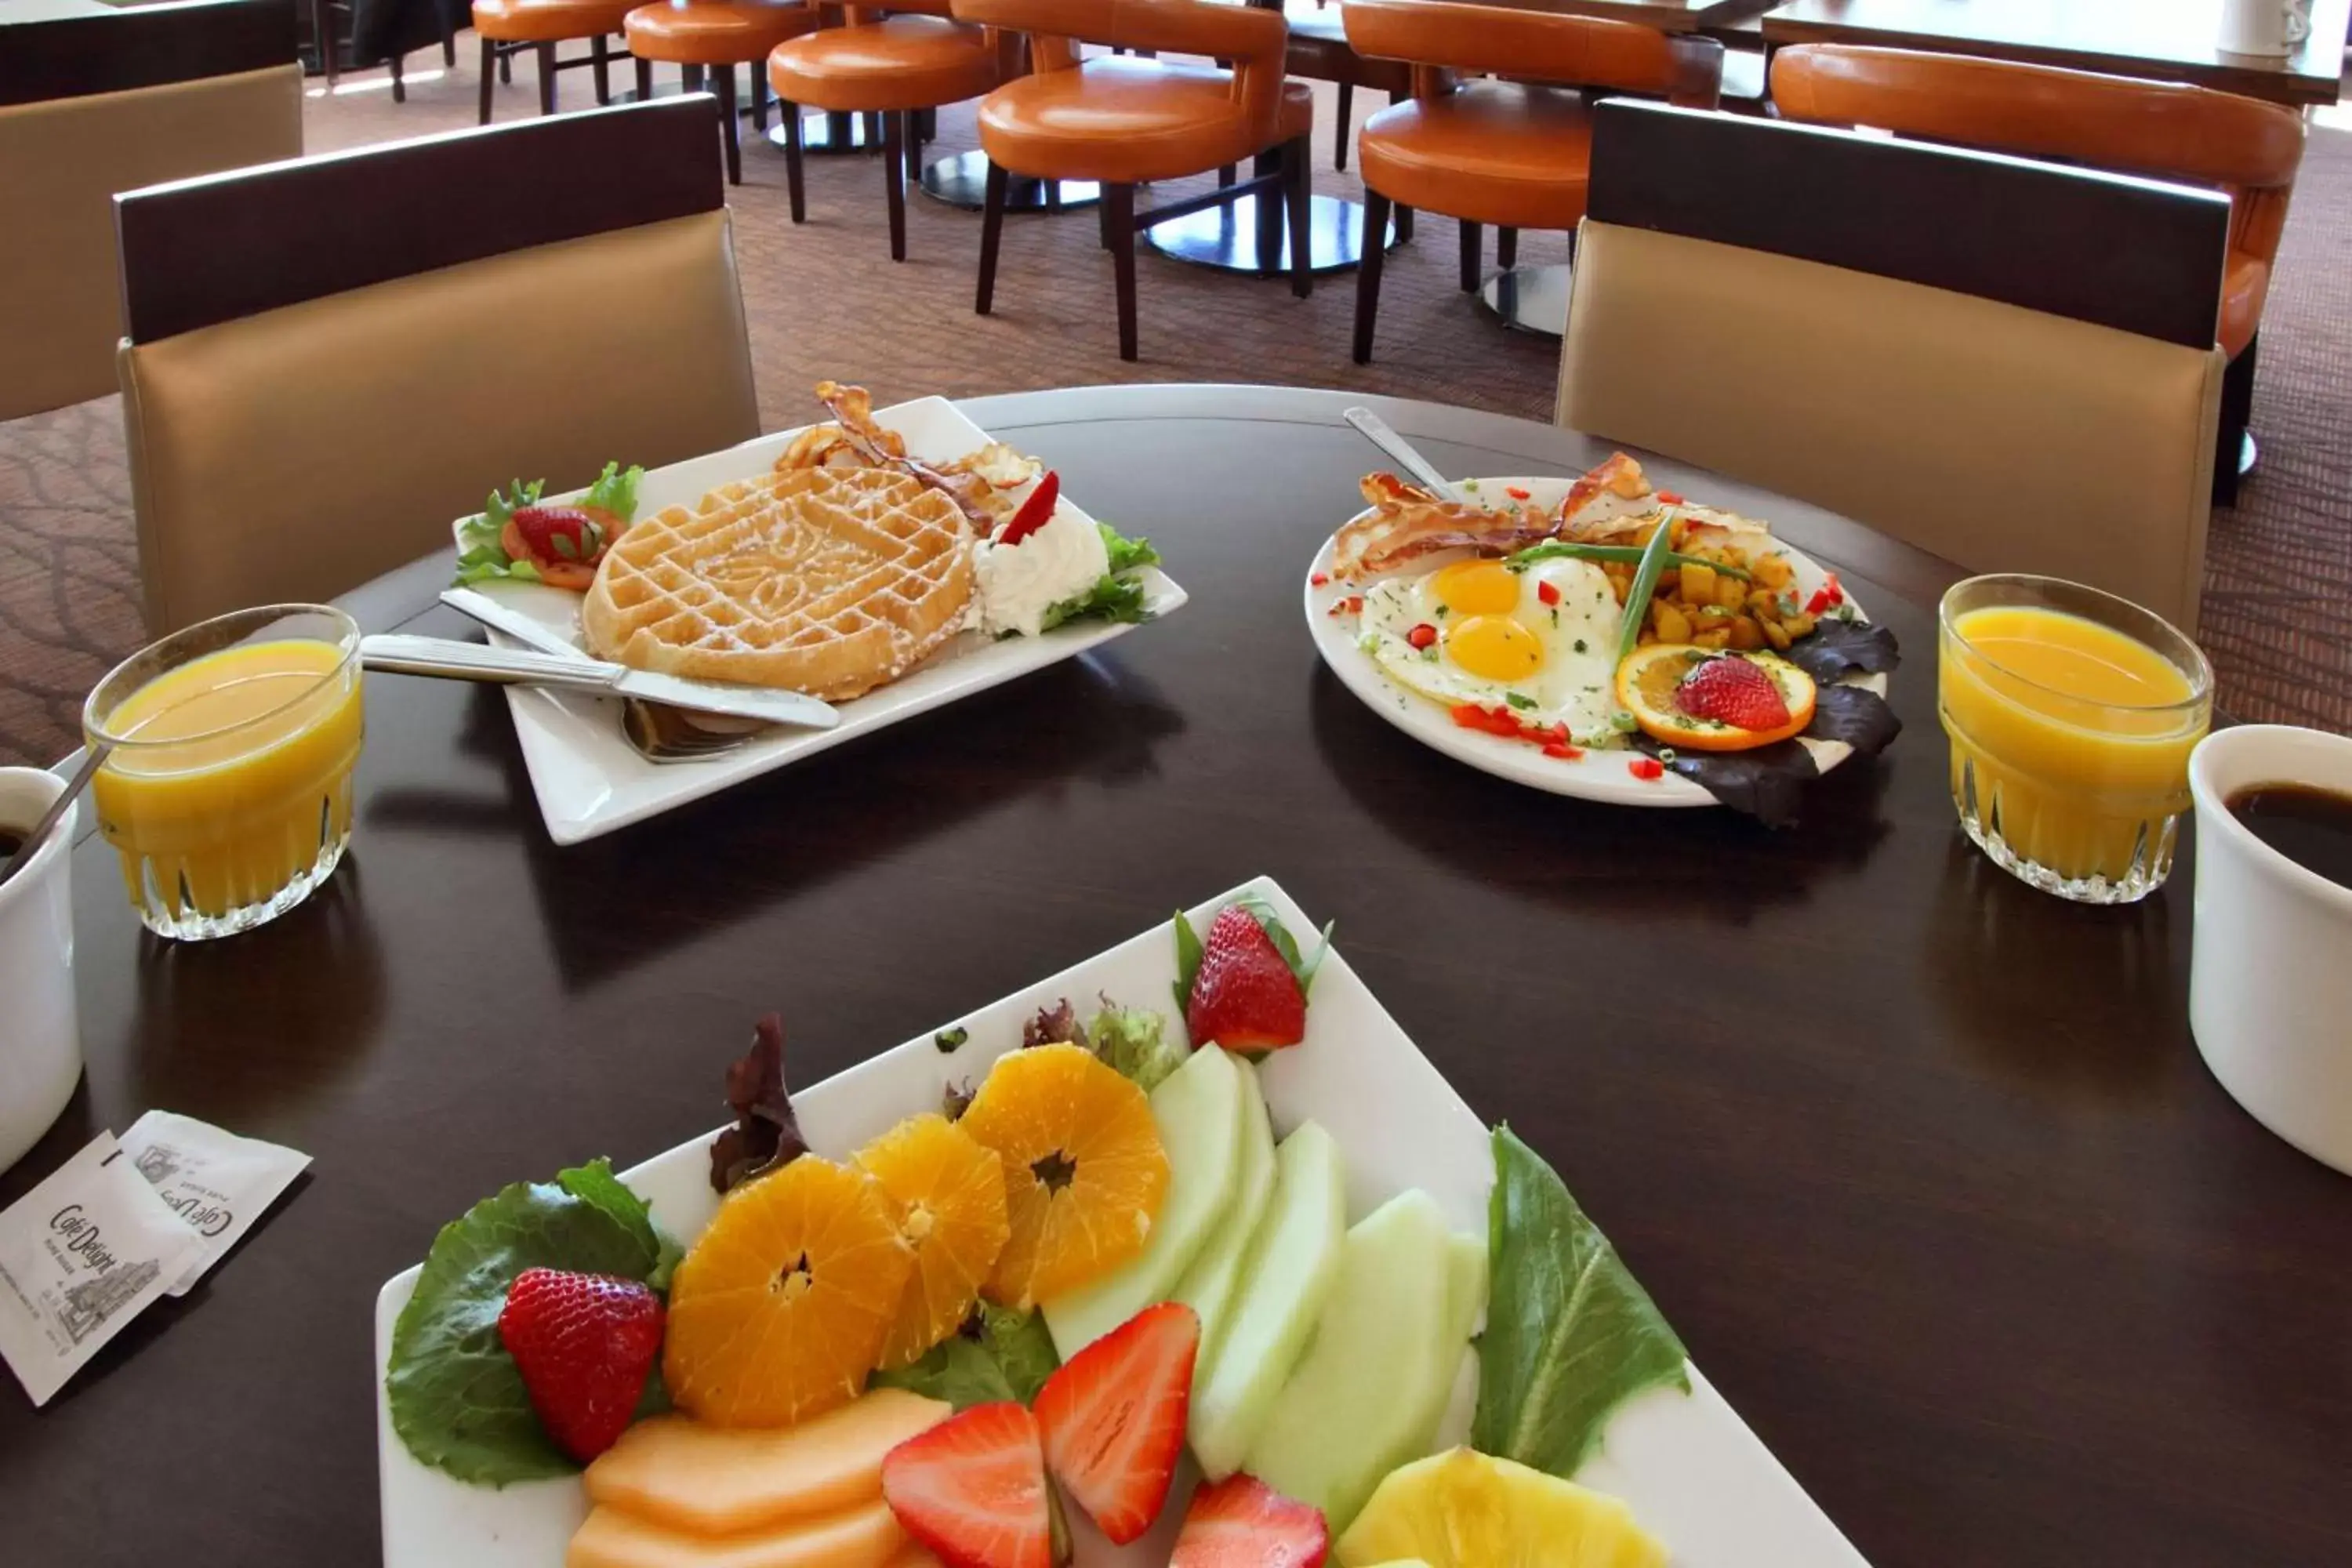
(2036, 389)
(309, 405)
(93, 105)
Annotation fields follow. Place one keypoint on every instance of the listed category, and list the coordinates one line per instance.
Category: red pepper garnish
(1035, 512)
(1647, 768)
(1515, 493)
(1836, 590)
(1827, 596)
(1319, 578)
(1668, 498)
(1352, 605)
(1563, 750)
(1547, 593)
(1422, 635)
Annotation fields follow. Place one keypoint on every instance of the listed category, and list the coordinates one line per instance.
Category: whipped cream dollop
(1017, 584)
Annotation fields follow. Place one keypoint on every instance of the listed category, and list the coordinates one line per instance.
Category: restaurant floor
(822, 301)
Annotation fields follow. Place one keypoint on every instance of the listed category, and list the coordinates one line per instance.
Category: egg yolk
(1476, 587)
(1496, 648)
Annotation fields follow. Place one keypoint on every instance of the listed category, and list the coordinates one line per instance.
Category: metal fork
(663, 735)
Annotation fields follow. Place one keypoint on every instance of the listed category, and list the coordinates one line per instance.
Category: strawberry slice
(562, 543)
(1114, 1413)
(583, 1344)
(1733, 692)
(1244, 996)
(973, 1489)
(1034, 512)
(1242, 1523)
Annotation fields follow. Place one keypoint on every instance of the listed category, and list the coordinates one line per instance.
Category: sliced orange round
(1084, 1171)
(947, 1191)
(778, 1312)
(1714, 701)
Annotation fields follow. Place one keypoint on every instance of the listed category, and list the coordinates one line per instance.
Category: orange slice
(947, 1191)
(1651, 676)
(779, 1311)
(1084, 1171)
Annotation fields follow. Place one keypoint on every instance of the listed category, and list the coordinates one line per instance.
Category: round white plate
(1596, 775)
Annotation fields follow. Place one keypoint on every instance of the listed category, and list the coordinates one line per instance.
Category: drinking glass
(228, 793)
(2071, 714)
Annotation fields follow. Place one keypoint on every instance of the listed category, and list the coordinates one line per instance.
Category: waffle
(830, 582)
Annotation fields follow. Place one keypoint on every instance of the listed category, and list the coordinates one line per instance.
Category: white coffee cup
(2274, 27)
(2270, 975)
(40, 1040)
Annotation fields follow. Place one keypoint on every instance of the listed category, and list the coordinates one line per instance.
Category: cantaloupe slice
(865, 1536)
(677, 1472)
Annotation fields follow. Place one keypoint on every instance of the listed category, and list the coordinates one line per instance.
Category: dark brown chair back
(330, 360)
(93, 105)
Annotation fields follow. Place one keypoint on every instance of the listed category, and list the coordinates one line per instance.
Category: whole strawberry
(1734, 691)
(1244, 996)
(584, 1343)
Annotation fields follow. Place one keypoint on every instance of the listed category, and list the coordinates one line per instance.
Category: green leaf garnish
(1302, 969)
(1516, 700)
(951, 1039)
(1189, 953)
(1571, 1334)
(997, 1354)
(615, 490)
(1134, 1042)
(456, 1399)
(1117, 594)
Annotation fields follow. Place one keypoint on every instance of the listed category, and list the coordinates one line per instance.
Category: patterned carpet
(823, 300)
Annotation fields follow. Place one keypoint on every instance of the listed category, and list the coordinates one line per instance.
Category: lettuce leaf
(615, 490)
(1117, 594)
(997, 1354)
(1571, 1334)
(458, 1400)
(481, 558)
(1134, 1042)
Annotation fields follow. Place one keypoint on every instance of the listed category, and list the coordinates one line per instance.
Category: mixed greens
(1117, 594)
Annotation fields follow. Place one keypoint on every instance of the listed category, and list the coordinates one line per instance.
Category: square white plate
(1696, 1476)
(590, 780)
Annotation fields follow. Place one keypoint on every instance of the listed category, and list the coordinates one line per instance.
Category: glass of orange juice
(2071, 714)
(228, 790)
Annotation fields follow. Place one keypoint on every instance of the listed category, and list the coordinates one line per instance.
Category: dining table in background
(1921, 1163)
(2167, 40)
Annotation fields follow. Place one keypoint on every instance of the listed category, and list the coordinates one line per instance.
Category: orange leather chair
(1513, 153)
(717, 36)
(1124, 120)
(915, 57)
(2194, 135)
(542, 25)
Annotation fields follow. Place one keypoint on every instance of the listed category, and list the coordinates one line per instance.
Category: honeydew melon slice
(1466, 1306)
(1210, 1285)
(1286, 1278)
(1198, 1111)
(1379, 1369)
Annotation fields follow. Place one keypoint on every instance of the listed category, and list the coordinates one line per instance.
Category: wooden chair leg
(1226, 176)
(322, 33)
(1300, 199)
(1506, 248)
(645, 80)
(730, 135)
(1473, 247)
(912, 140)
(790, 113)
(1403, 223)
(399, 82)
(894, 181)
(489, 57)
(991, 233)
(1368, 273)
(874, 133)
(547, 78)
(1118, 207)
(448, 38)
(506, 67)
(1269, 218)
(1102, 222)
(1346, 112)
(600, 68)
(759, 97)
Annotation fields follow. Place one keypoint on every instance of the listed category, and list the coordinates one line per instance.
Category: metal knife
(767, 704)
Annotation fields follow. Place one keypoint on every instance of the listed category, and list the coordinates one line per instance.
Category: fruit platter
(1601, 638)
(1185, 1254)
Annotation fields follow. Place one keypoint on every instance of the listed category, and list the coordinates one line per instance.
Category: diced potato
(1775, 636)
(1760, 604)
(1730, 593)
(1746, 635)
(1799, 625)
(1774, 571)
(1699, 584)
(1672, 624)
(1709, 615)
(1711, 639)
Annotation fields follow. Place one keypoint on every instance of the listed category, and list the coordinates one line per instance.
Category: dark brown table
(2171, 40)
(1921, 1163)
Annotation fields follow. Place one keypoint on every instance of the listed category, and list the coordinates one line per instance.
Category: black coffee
(2311, 826)
(10, 842)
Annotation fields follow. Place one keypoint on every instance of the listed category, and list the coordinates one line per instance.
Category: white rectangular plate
(1696, 1476)
(588, 778)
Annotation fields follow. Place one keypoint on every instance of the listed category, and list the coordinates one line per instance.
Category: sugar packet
(80, 1256)
(217, 1182)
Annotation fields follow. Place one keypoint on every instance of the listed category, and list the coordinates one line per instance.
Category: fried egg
(1542, 641)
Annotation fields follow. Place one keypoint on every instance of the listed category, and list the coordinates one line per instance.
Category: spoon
(1375, 429)
(39, 833)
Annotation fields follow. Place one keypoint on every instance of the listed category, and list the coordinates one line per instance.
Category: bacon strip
(853, 407)
(1406, 522)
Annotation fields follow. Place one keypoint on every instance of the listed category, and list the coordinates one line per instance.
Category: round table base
(1529, 298)
(1226, 238)
(960, 180)
(818, 138)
